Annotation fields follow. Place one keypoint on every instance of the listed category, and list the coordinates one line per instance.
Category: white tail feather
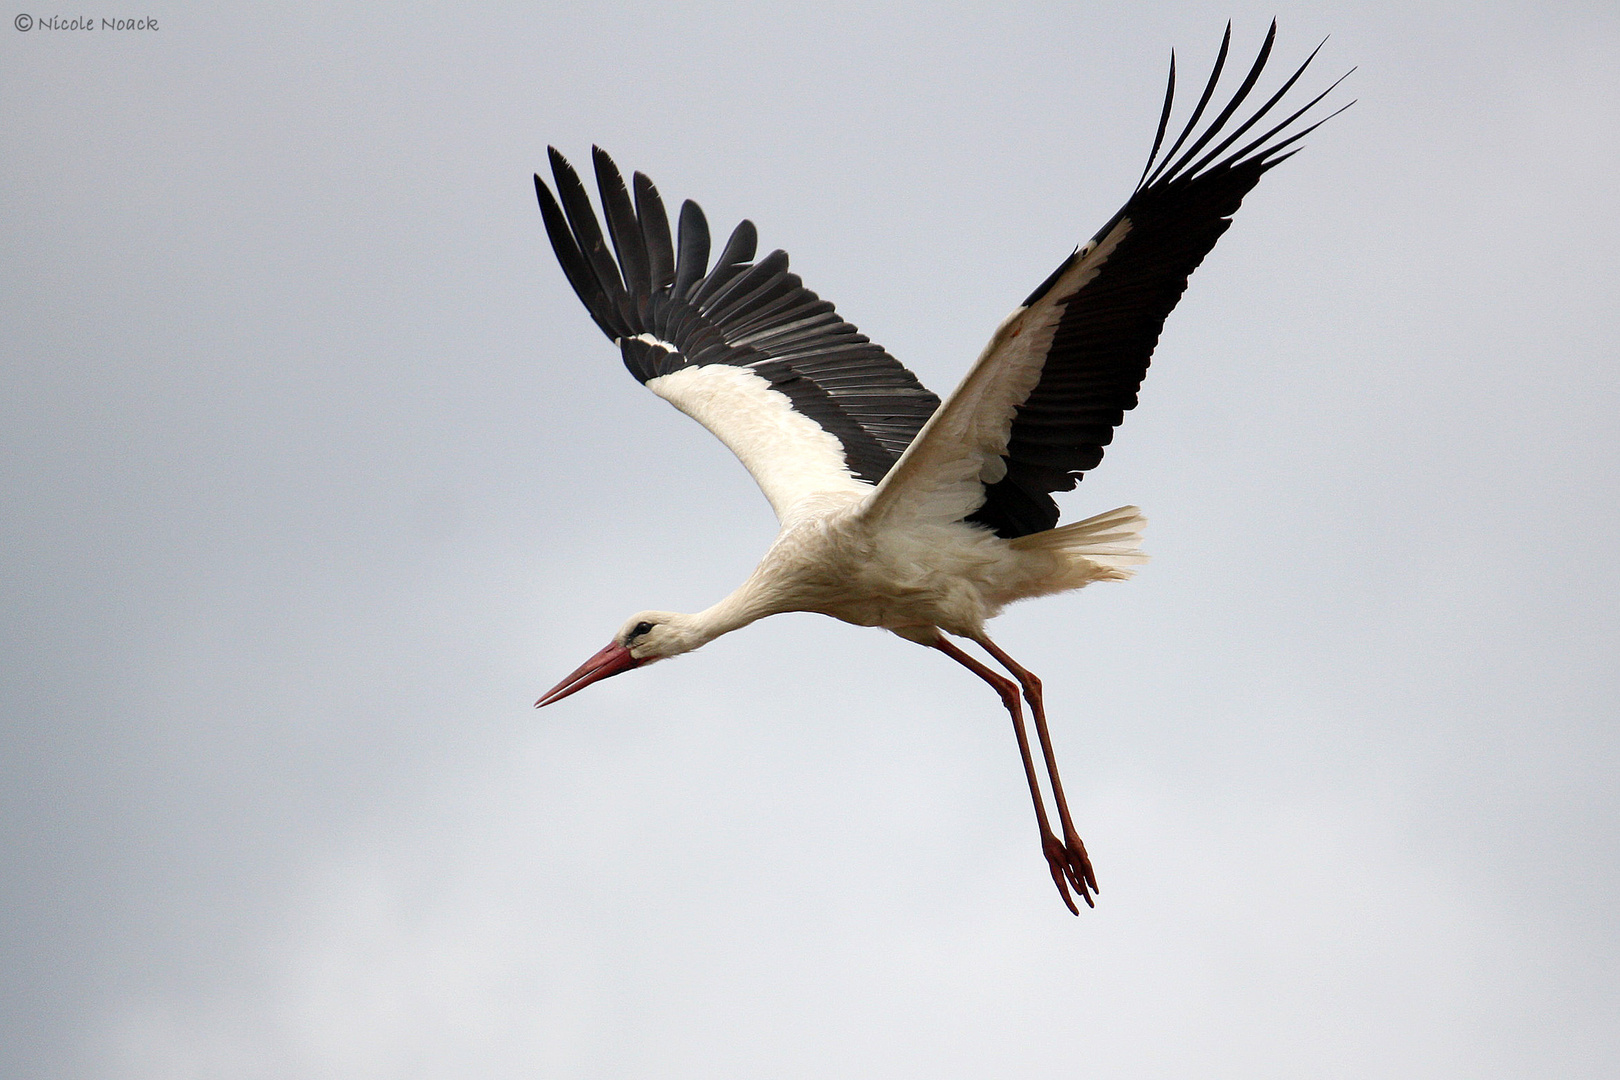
(1110, 540)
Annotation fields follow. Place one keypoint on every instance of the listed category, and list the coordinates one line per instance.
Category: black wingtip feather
(623, 225)
(741, 245)
(654, 232)
(734, 257)
(1164, 120)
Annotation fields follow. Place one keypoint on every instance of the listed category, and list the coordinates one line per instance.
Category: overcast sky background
(316, 473)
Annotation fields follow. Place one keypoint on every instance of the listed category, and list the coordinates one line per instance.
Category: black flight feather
(654, 234)
(623, 225)
(694, 251)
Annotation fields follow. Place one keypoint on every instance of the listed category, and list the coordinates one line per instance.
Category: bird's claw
(1070, 866)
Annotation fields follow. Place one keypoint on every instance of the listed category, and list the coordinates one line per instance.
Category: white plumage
(897, 511)
(791, 457)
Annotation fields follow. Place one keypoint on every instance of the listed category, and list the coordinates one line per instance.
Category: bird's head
(645, 637)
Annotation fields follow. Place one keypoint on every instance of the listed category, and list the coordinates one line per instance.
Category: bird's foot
(1070, 866)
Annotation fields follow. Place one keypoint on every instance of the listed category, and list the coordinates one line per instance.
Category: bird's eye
(641, 628)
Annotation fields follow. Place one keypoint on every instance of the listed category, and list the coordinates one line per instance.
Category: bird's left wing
(1043, 399)
(805, 400)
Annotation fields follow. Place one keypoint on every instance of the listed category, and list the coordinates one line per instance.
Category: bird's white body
(830, 558)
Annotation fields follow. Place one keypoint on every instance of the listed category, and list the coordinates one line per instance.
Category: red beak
(610, 661)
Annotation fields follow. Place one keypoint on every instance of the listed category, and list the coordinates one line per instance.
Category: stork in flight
(897, 511)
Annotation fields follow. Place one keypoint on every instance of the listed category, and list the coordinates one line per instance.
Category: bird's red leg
(1058, 857)
(1078, 862)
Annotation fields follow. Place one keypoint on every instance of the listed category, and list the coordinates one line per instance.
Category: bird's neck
(752, 601)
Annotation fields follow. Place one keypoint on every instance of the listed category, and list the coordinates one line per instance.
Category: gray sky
(315, 474)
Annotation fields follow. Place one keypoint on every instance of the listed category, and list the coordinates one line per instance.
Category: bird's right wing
(1043, 399)
(806, 401)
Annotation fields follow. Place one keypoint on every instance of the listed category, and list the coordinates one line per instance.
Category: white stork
(896, 511)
